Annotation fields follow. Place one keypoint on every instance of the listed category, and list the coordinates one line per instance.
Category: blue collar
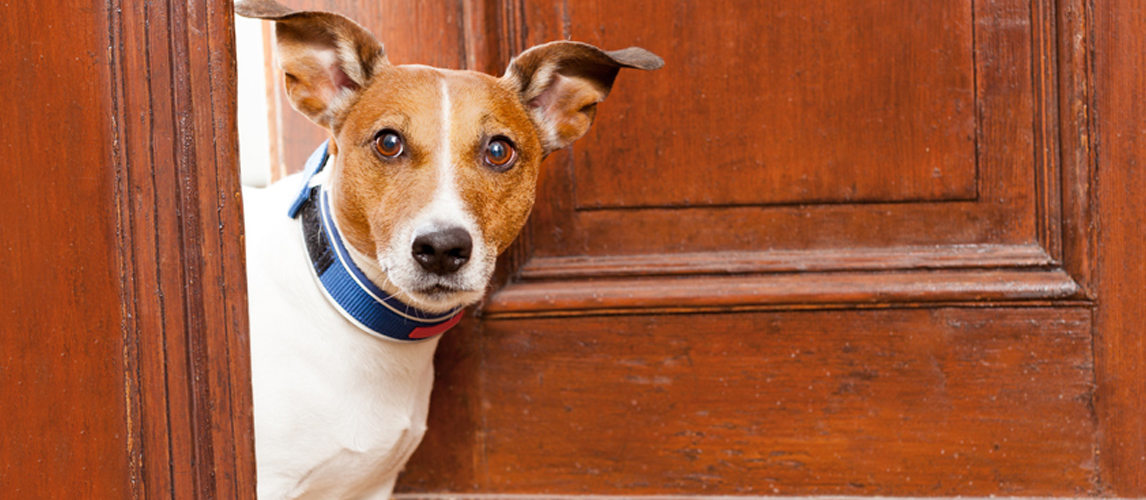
(343, 283)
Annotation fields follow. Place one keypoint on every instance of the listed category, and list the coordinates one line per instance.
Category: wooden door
(832, 248)
(123, 352)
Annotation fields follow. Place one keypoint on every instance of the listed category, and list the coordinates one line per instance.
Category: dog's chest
(337, 411)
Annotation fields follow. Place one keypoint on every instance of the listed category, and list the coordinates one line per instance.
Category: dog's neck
(370, 268)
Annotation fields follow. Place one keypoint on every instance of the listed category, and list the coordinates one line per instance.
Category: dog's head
(434, 170)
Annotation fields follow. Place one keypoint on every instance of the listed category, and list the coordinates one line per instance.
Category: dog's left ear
(561, 83)
(326, 58)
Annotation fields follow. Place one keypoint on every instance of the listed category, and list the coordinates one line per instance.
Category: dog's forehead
(412, 90)
(403, 91)
(405, 84)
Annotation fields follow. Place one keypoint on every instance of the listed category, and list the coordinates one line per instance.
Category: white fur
(337, 411)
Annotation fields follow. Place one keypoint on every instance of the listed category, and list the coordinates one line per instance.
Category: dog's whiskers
(386, 281)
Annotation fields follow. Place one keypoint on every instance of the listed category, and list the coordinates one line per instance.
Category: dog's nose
(443, 252)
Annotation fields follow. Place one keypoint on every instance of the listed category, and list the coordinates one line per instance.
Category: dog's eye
(388, 143)
(499, 154)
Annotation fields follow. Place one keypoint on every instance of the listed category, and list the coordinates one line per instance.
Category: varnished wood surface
(604, 197)
(123, 356)
(1120, 79)
(785, 95)
(64, 414)
(1075, 137)
(783, 291)
(123, 359)
(181, 224)
(180, 228)
(895, 402)
(781, 261)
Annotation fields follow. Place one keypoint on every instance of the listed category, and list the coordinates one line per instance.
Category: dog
(358, 264)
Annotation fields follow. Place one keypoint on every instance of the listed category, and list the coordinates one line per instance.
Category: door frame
(182, 266)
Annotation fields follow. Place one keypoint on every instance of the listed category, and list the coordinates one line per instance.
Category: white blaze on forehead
(446, 208)
(444, 138)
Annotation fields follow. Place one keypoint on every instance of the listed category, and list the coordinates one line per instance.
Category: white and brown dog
(393, 227)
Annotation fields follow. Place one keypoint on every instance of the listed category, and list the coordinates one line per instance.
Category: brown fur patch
(501, 201)
(374, 194)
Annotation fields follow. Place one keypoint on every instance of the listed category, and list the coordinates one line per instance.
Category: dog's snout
(443, 252)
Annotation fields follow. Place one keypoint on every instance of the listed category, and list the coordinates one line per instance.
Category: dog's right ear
(561, 83)
(327, 58)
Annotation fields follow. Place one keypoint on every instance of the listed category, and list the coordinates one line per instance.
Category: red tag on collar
(430, 331)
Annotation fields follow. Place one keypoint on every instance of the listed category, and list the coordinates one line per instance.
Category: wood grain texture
(780, 261)
(1005, 209)
(808, 102)
(894, 402)
(64, 415)
(123, 358)
(1120, 70)
(943, 341)
(866, 404)
(179, 226)
(783, 291)
(1076, 156)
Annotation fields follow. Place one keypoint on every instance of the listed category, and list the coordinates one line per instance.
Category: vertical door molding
(179, 226)
(1120, 352)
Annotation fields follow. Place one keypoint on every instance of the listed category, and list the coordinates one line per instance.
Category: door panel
(805, 128)
(1001, 240)
(804, 103)
(923, 402)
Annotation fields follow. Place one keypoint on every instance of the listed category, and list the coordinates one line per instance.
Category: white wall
(254, 131)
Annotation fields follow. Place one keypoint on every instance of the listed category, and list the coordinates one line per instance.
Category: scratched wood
(180, 224)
